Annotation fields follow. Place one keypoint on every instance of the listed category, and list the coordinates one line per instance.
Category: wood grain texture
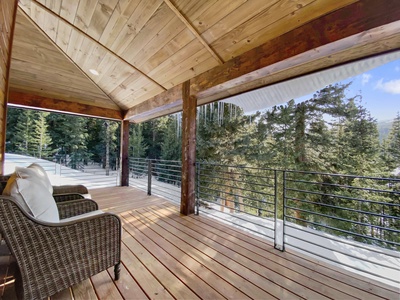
(142, 49)
(58, 105)
(124, 153)
(188, 150)
(8, 11)
(361, 29)
(166, 255)
(37, 66)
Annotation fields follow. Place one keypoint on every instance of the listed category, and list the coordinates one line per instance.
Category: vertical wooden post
(124, 159)
(188, 150)
(8, 11)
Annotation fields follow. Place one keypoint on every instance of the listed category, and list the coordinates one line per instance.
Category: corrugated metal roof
(291, 89)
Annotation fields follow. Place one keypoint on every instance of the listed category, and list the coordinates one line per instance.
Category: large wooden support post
(124, 161)
(8, 11)
(188, 150)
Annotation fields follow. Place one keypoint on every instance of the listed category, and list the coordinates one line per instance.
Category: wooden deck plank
(127, 285)
(363, 285)
(63, 295)
(297, 283)
(153, 288)
(165, 276)
(84, 291)
(166, 255)
(248, 282)
(169, 260)
(174, 248)
(105, 287)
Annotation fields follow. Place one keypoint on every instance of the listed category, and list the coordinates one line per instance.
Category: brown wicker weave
(67, 209)
(70, 189)
(54, 256)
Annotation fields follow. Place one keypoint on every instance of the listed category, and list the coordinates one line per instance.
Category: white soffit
(282, 92)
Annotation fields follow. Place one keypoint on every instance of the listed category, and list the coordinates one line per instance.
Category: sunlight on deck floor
(169, 256)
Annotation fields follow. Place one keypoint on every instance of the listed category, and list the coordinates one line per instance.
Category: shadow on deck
(169, 256)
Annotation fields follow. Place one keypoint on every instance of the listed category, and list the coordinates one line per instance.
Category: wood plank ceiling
(119, 54)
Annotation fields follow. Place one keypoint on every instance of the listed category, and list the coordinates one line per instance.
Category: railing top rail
(235, 166)
(344, 175)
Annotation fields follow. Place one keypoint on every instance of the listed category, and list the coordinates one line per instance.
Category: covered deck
(166, 255)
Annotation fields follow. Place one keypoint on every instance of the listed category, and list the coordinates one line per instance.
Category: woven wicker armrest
(70, 189)
(67, 197)
(54, 256)
(73, 208)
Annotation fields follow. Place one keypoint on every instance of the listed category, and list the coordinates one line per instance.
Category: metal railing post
(149, 173)
(276, 209)
(284, 211)
(197, 189)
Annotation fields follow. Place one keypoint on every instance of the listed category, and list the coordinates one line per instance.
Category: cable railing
(359, 208)
(165, 179)
(247, 195)
(348, 220)
(61, 171)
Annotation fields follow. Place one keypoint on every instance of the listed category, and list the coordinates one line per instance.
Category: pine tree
(137, 145)
(392, 146)
(23, 133)
(69, 135)
(171, 146)
(41, 138)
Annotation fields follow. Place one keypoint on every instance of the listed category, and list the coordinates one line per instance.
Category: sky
(380, 90)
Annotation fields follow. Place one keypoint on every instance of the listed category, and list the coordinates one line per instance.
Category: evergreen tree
(360, 141)
(137, 145)
(41, 138)
(69, 135)
(13, 115)
(171, 146)
(391, 146)
(23, 138)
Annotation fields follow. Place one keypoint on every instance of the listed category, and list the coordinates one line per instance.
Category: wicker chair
(55, 256)
(60, 192)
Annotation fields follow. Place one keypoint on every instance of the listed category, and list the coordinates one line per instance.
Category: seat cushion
(32, 194)
(82, 216)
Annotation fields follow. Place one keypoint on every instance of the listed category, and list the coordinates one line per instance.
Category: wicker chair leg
(117, 270)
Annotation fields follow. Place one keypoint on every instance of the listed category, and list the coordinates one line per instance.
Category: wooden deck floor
(169, 256)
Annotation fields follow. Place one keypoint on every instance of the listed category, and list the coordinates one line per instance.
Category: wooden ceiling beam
(96, 42)
(62, 106)
(339, 33)
(193, 31)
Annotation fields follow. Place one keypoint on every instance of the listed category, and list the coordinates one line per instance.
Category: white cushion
(42, 175)
(33, 195)
(82, 216)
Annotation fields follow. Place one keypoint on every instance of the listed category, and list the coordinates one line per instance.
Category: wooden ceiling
(144, 50)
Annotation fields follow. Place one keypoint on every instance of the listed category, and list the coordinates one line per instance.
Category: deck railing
(165, 179)
(61, 172)
(351, 221)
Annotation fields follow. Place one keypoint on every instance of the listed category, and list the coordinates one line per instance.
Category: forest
(330, 133)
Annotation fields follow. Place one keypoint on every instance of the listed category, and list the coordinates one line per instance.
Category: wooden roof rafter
(314, 46)
(144, 50)
(96, 42)
(194, 31)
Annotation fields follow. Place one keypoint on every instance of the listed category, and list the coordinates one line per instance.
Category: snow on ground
(367, 260)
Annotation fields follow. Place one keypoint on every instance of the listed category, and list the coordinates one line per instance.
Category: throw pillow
(42, 175)
(30, 191)
(11, 189)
